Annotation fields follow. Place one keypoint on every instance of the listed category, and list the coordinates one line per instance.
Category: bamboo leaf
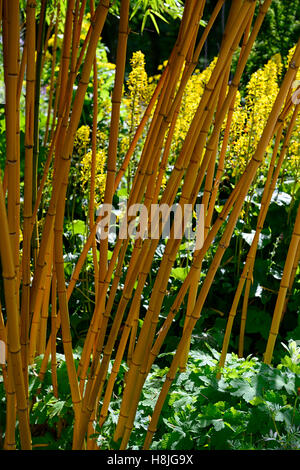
(154, 21)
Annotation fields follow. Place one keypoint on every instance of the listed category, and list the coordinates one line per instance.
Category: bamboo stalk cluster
(37, 271)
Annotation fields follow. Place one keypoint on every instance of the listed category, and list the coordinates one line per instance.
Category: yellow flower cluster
(138, 94)
(138, 89)
(82, 148)
(100, 174)
(134, 102)
(82, 139)
(250, 119)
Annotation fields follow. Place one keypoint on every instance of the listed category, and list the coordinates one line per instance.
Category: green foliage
(250, 403)
(253, 406)
(153, 9)
(51, 418)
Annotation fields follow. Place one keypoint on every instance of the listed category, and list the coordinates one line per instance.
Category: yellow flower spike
(82, 137)
(100, 174)
(249, 119)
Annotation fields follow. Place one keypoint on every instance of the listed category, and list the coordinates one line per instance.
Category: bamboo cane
(10, 425)
(284, 285)
(42, 330)
(114, 130)
(292, 278)
(11, 121)
(53, 334)
(14, 347)
(93, 171)
(35, 157)
(66, 56)
(27, 211)
(64, 313)
(51, 85)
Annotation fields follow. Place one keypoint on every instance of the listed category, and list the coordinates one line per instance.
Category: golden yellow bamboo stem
(5, 61)
(84, 46)
(22, 71)
(11, 120)
(77, 22)
(27, 210)
(93, 165)
(14, 347)
(42, 330)
(284, 285)
(43, 290)
(292, 278)
(114, 132)
(10, 425)
(66, 55)
(93, 173)
(53, 334)
(63, 305)
(51, 85)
